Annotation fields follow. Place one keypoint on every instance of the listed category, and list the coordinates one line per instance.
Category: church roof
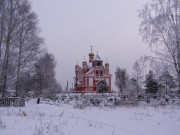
(90, 71)
(97, 58)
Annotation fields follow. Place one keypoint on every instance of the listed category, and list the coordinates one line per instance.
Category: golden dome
(84, 61)
(91, 54)
(106, 64)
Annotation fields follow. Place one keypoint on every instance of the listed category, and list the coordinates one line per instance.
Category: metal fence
(12, 101)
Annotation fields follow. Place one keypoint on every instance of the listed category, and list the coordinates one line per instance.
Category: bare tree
(10, 22)
(137, 75)
(28, 41)
(45, 74)
(160, 27)
(19, 40)
(2, 16)
(121, 79)
(166, 81)
(2, 22)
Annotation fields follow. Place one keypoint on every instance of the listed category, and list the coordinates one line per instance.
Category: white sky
(71, 26)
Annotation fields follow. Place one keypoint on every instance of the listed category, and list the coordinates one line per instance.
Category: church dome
(106, 64)
(84, 62)
(91, 54)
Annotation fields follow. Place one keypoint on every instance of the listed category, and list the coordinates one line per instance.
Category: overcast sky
(70, 27)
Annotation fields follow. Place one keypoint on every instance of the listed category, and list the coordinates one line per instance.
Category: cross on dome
(91, 47)
(106, 60)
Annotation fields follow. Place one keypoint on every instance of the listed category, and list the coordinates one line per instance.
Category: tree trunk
(6, 57)
(5, 65)
(18, 71)
(1, 39)
(19, 59)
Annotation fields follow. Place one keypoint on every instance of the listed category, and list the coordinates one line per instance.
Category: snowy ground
(46, 119)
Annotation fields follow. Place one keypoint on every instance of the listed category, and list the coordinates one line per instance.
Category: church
(91, 74)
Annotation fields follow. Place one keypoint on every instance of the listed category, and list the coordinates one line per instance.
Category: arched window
(90, 81)
(101, 73)
(97, 73)
(107, 81)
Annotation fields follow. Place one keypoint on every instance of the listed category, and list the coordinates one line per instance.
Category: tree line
(25, 65)
(160, 28)
(137, 83)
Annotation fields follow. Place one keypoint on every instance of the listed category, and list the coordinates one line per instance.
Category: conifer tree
(151, 83)
(102, 87)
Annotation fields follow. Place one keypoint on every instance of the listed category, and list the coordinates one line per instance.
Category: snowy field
(44, 119)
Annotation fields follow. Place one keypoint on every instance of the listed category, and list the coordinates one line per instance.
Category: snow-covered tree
(160, 27)
(28, 41)
(151, 83)
(137, 75)
(121, 78)
(45, 75)
(132, 87)
(19, 42)
(167, 81)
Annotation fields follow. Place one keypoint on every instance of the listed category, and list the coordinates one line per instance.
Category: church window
(107, 81)
(90, 81)
(97, 73)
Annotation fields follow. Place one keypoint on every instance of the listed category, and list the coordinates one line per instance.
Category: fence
(12, 101)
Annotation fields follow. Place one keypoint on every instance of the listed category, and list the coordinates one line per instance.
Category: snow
(90, 71)
(64, 119)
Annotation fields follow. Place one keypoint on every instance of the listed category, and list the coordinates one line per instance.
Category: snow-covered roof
(91, 70)
(97, 58)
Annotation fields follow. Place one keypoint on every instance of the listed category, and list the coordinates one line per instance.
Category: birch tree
(19, 41)
(9, 24)
(160, 28)
(2, 16)
(137, 75)
(28, 40)
(45, 75)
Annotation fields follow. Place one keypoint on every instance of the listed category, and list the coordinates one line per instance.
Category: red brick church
(91, 74)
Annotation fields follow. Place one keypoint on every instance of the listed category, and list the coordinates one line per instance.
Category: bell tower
(107, 66)
(84, 65)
